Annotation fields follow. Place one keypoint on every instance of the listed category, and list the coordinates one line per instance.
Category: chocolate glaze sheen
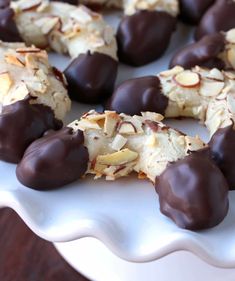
(222, 146)
(8, 29)
(193, 192)
(138, 94)
(4, 3)
(191, 11)
(20, 124)
(219, 17)
(57, 159)
(91, 77)
(202, 53)
(144, 36)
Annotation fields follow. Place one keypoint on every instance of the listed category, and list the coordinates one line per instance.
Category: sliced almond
(11, 59)
(5, 82)
(47, 24)
(187, 79)
(21, 91)
(211, 88)
(118, 142)
(229, 75)
(86, 125)
(231, 103)
(152, 116)
(29, 5)
(231, 57)
(230, 36)
(28, 50)
(171, 72)
(110, 124)
(215, 74)
(193, 143)
(127, 127)
(117, 158)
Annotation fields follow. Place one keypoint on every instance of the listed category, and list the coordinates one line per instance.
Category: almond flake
(11, 59)
(127, 127)
(231, 57)
(117, 158)
(118, 142)
(230, 36)
(5, 82)
(187, 79)
(211, 89)
(171, 72)
(231, 103)
(110, 124)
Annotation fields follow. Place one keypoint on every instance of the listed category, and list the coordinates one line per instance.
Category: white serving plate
(124, 214)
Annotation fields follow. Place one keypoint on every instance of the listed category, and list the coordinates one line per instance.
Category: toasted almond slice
(152, 116)
(118, 142)
(117, 158)
(231, 103)
(171, 72)
(28, 50)
(211, 88)
(21, 91)
(215, 74)
(231, 57)
(110, 124)
(5, 82)
(85, 124)
(187, 79)
(47, 24)
(127, 127)
(29, 5)
(193, 143)
(230, 36)
(229, 74)
(11, 59)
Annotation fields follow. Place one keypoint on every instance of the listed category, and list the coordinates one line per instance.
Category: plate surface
(123, 214)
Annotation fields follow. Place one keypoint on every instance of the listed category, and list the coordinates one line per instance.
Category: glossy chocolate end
(202, 53)
(144, 36)
(222, 146)
(139, 94)
(219, 17)
(193, 192)
(57, 159)
(191, 11)
(8, 29)
(20, 124)
(91, 77)
(4, 3)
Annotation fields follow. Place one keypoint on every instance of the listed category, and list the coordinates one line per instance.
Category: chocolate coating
(91, 77)
(138, 94)
(4, 3)
(191, 11)
(193, 192)
(202, 53)
(57, 159)
(20, 124)
(219, 17)
(222, 146)
(144, 36)
(8, 29)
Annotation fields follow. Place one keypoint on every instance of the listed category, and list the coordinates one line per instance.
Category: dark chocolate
(144, 36)
(4, 3)
(138, 94)
(193, 192)
(202, 53)
(219, 17)
(191, 11)
(8, 28)
(57, 159)
(91, 77)
(20, 124)
(222, 146)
